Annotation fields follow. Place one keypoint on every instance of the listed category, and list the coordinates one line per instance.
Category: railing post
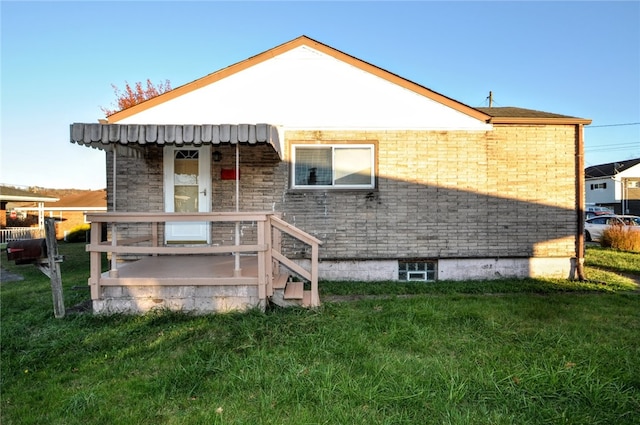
(268, 258)
(276, 244)
(262, 269)
(237, 271)
(154, 235)
(95, 260)
(113, 272)
(315, 296)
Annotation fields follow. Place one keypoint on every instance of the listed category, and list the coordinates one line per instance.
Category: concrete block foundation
(188, 299)
(449, 269)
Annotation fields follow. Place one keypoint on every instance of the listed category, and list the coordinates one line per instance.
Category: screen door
(187, 177)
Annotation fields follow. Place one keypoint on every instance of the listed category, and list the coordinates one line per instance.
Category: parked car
(599, 209)
(594, 226)
(589, 214)
(592, 210)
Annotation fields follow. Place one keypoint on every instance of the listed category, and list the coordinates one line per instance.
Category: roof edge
(396, 79)
(20, 198)
(539, 120)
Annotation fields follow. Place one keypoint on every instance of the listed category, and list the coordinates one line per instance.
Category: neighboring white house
(615, 185)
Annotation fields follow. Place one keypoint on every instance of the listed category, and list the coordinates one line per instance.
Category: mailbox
(27, 251)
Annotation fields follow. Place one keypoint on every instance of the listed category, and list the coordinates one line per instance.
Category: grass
(610, 259)
(498, 352)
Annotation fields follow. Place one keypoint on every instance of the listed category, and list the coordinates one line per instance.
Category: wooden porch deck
(165, 273)
(185, 270)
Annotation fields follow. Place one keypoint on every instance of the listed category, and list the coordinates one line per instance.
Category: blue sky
(59, 59)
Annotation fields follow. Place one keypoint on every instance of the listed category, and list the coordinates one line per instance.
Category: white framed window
(598, 186)
(333, 166)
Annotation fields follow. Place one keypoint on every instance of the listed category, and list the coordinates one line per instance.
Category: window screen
(313, 166)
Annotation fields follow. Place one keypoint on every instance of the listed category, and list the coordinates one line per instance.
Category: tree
(137, 94)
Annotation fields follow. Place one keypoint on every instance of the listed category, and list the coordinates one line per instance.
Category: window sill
(331, 190)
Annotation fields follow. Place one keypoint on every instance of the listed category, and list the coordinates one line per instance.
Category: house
(70, 210)
(21, 226)
(318, 165)
(615, 185)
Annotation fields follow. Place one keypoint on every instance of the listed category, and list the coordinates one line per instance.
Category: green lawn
(498, 352)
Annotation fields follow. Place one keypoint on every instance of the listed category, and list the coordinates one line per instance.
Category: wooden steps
(306, 299)
(288, 293)
(294, 291)
(280, 281)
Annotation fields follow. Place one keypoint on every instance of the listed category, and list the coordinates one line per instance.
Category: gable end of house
(287, 47)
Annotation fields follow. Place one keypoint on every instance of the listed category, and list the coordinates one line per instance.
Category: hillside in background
(57, 193)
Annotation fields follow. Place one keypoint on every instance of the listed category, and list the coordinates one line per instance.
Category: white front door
(187, 183)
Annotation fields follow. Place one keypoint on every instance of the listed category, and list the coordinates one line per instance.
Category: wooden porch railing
(266, 246)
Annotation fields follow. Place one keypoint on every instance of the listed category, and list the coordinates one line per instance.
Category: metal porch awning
(131, 137)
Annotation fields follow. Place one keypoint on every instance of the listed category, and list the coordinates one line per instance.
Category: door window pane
(185, 180)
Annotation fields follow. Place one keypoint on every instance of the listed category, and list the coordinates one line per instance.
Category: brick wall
(66, 221)
(509, 192)
(139, 184)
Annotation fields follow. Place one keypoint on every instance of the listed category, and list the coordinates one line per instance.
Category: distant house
(615, 185)
(320, 165)
(70, 210)
(21, 226)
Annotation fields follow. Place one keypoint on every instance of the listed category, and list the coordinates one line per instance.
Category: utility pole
(490, 99)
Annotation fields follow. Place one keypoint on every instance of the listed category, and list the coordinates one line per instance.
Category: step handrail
(297, 233)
